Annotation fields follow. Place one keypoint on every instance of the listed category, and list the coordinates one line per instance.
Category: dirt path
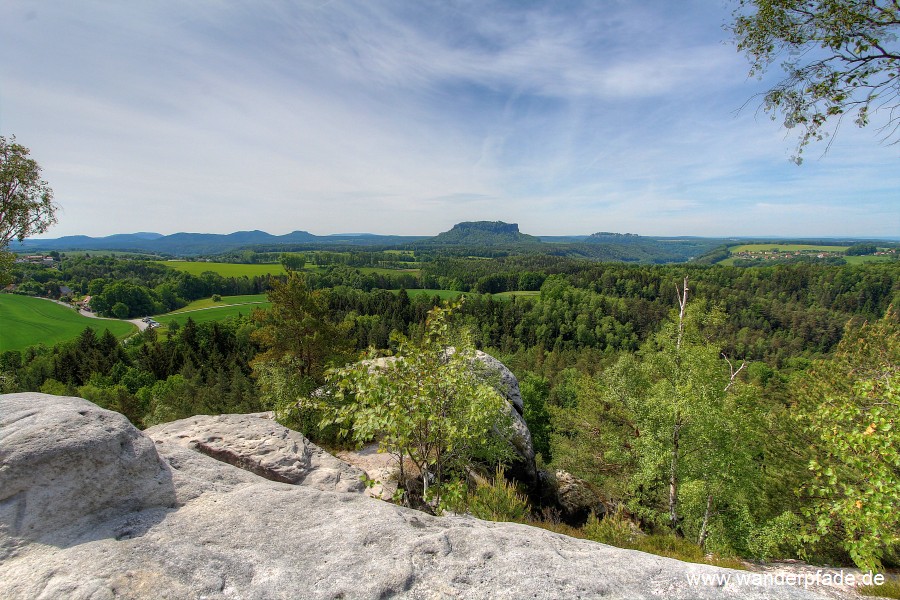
(182, 312)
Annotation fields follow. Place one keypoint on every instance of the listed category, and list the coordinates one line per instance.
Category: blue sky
(407, 117)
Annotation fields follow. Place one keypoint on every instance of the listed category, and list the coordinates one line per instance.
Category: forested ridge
(749, 374)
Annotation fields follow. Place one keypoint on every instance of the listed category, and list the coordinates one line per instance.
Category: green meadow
(855, 260)
(226, 269)
(442, 294)
(26, 321)
(205, 310)
(208, 303)
(212, 314)
(807, 249)
(385, 270)
(511, 294)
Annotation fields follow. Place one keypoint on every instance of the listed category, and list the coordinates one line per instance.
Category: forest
(745, 412)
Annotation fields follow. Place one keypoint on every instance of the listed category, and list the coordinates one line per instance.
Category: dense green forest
(752, 416)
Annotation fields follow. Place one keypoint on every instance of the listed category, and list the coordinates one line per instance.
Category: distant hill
(484, 233)
(481, 238)
(192, 244)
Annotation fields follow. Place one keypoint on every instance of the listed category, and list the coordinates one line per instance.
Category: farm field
(27, 321)
(207, 303)
(226, 269)
(511, 294)
(856, 260)
(442, 294)
(205, 315)
(385, 271)
(787, 251)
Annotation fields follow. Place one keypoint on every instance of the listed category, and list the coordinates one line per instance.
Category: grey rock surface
(257, 443)
(64, 460)
(235, 534)
(576, 497)
(509, 385)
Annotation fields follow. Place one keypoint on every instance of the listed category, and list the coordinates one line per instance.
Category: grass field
(205, 310)
(804, 248)
(210, 314)
(511, 294)
(225, 301)
(383, 271)
(225, 269)
(856, 260)
(442, 294)
(26, 321)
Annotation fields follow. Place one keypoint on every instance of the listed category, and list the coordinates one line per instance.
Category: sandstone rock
(65, 460)
(523, 469)
(577, 498)
(509, 385)
(381, 468)
(257, 443)
(235, 534)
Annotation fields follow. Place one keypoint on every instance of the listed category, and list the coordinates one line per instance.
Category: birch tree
(428, 406)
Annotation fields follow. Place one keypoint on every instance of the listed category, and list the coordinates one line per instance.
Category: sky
(405, 117)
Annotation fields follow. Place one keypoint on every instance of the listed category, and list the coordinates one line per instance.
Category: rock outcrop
(576, 498)
(64, 460)
(523, 468)
(110, 512)
(258, 444)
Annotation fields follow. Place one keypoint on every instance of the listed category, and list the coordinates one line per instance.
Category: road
(86, 313)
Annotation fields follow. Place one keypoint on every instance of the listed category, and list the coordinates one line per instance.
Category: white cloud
(408, 117)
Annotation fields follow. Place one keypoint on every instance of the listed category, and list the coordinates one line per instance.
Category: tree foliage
(291, 261)
(850, 407)
(428, 405)
(840, 57)
(670, 432)
(300, 341)
(26, 200)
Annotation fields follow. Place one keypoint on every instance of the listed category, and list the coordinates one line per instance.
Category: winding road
(86, 313)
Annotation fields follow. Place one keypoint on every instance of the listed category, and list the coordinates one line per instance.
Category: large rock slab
(257, 443)
(235, 534)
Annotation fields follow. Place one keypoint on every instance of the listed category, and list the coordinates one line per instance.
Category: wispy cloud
(398, 117)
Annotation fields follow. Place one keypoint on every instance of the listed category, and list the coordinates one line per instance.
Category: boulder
(66, 460)
(576, 498)
(257, 443)
(524, 468)
(508, 385)
(235, 534)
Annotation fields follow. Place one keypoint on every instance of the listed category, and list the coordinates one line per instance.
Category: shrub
(779, 538)
(888, 589)
(614, 529)
(498, 500)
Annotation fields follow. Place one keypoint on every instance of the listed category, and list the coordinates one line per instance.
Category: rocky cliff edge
(236, 506)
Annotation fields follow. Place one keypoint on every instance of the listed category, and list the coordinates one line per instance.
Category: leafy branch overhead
(840, 57)
(26, 200)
